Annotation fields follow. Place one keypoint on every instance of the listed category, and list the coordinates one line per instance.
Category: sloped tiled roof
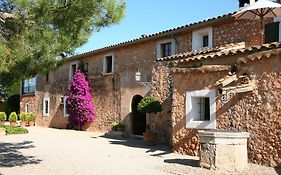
(159, 34)
(216, 53)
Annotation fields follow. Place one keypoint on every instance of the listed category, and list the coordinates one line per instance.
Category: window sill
(107, 74)
(201, 125)
(27, 95)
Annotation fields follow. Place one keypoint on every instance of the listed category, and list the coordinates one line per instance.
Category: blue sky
(152, 16)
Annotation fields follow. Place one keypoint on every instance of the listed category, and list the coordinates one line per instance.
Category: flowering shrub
(3, 116)
(79, 101)
(23, 116)
(13, 117)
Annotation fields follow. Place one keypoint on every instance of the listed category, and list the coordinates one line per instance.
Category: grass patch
(14, 130)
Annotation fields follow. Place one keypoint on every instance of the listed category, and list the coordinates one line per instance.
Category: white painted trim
(197, 38)
(27, 108)
(70, 68)
(44, 107)
(105, 65)
(211, 124)
(158, 47)
(64, 106)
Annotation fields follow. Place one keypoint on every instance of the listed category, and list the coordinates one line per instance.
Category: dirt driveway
(65, 152)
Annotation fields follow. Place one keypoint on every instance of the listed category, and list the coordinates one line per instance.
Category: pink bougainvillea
(79, 101)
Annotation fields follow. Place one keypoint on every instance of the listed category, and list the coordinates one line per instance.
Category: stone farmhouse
(217, 66)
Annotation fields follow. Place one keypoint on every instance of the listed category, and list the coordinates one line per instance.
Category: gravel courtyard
(65, 152)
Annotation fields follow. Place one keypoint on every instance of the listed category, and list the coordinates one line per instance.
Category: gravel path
(65, 152)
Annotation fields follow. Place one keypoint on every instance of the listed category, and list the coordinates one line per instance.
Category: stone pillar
(223, 150)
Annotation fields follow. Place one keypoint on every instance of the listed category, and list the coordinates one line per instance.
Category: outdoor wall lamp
(138, 79)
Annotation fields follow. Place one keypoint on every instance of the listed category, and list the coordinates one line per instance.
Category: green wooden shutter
(271, 32)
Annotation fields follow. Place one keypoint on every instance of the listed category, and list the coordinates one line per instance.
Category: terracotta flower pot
(13, 123)
(31, 123)
(149, 137)
(23, 123)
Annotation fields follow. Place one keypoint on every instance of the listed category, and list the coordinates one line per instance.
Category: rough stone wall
(186, 141)
(28, 99)
(161, 89)
(257, 112)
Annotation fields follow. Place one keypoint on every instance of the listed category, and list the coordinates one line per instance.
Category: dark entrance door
(139, 119)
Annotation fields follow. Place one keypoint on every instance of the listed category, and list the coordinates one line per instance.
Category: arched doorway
(139, 119)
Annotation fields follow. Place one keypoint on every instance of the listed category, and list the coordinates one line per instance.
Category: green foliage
(14, 130)
(149, 104)
(23, 116)
(31, 116)
(36, 36)
(3, 116)
(117, 124)
(13, 117)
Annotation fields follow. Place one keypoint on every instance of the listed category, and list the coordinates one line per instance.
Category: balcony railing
(29, 89)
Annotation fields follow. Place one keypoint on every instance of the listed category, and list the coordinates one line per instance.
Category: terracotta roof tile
(216, 53)
(159, 34)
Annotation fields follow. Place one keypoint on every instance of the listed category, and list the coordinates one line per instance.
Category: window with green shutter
(271, 32)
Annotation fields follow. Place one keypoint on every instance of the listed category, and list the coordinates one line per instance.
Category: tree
(35, 36)
(79, 101)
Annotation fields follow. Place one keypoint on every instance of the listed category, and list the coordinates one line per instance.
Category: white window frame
(26, 108)
(105, 64)
(65, 114)
(190, 110)
(197, 38)
(70, 68)
(159, 50)
(44, 107)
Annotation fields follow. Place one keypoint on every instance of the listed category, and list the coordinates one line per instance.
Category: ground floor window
(201, 109)
(46, 107)
(26, 108)
(65, 112)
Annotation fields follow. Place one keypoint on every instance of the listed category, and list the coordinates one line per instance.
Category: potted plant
(3, 117)
(23, 119)
(13, 118)
(118, 126)
(31, 119)
(149, 105)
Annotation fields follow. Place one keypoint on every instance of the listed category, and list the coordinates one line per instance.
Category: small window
(46, 107)
(65, 112)
(47, 77)
(29, 86)
(26, 108)
(108, 64)
(202, 38)
(206, 41)
(73, 69)
(166, 49)
(202, 104)
(201, 109)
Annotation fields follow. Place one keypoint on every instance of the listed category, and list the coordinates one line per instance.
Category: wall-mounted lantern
(138, 79)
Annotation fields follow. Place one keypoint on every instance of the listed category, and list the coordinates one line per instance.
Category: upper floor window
(202, 38)
(166, 48)
(29, 86)
(72, 70)
(108, 64)
(272, 32)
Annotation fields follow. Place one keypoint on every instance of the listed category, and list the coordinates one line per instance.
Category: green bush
(3, 116)
(117, 124)
(31, 116)
(149, 104)
(13, 117)
(14, 130)
(23, 116)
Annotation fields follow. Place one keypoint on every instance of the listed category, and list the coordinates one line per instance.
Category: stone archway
(139, 119)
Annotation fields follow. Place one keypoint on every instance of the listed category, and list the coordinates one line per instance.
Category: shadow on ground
(155, 150)
(186, 162)
(278, 171)
(11, 156)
